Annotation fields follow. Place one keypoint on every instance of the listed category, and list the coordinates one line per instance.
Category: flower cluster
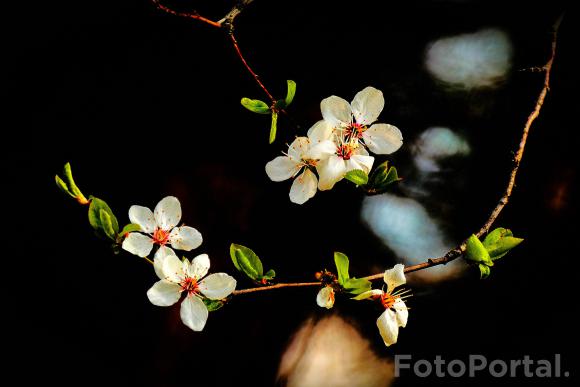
(176, 277)
(337, 144)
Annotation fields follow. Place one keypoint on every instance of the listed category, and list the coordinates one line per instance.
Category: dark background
(146, 105)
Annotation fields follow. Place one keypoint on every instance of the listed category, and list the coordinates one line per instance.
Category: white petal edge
(402, 312)
(336, 111)
(159, 259)
(362, 162)
(173, 269)
(193, 313)
(298, 149)
(395, 277)
(143, 217)
(164, 293)
(304, 187)
(320, 131)
(167, 213)
(330, 171)
(388, 327)
(185, 238)
(367, 105)
(383, 139)
(217, 286)
(138, 244)
(325, 297)
(199, 266)
(281, 168)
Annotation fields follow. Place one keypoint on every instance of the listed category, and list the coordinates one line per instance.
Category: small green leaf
(484, 271)
(499, 242)
(95, 215)
(291, 92)
(70, 181)
(212, 305)
(274, 126)
(63, 187)
(131, 227)
(107, 225)
(382, 176)
(341, 262)
(476, 252)
(256, 106)
(247, 261)
(270, 274)
(357, 176)
(357, 285)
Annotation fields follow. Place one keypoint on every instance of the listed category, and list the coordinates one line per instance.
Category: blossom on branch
(177, 277)
(159, 227)
(325, 297)
(396, 312)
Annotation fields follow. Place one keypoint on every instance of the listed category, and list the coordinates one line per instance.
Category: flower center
(344, 151)
(354, 131)
(388, 300)
(189, 285)
(161, 237)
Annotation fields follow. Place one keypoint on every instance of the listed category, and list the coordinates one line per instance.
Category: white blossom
(325, 297)
(177, 277)
(159, 227)
(396, 312)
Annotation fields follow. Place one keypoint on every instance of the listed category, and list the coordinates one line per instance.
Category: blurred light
(332, 352)
(480, 59)
(437, 143)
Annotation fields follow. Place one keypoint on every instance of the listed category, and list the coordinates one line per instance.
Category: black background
(146, 105)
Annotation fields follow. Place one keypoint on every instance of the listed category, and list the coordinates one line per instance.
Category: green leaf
(382, 176)
(341, 262)
(212, 305)
(499, 242)
(131, 227)
(247, 261)
(291, 92)
(95, 216)
(484, 271)
(270, 274)
(107, 225)
(70, 181)
(476, 252)
(274, 126)
(357, 285)
(63, 187)
(357, 176)
(256, 106)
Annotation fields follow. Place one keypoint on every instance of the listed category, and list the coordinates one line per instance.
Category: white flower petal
(185, 238)
(138, 244)
(395, 277)
(360, 162)
(199, 266)
(402, 312)
(168, 213)
(217, 286)
(322, 150)
(143, 217)
(368, 294)
(388, 327)
(320, 131)
(367, 105)
(281, 168)
(298, 149)
(173, 269)
(330, 171)
(303, 187)
(325, 297)
(159, 259)
(164, 293)
(336, 111)
(383, 139)
(193, 313)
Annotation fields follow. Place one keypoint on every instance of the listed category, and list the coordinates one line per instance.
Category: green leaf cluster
(378, 181)
(246, 261)
(495, 245)
(261, 107)
(68, 185)
(352, 285)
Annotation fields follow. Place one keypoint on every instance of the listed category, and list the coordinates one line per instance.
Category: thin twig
(459, 250)
(191, 15)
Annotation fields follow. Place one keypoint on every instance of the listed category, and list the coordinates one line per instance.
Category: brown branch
(191, 15)
(459, 250)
